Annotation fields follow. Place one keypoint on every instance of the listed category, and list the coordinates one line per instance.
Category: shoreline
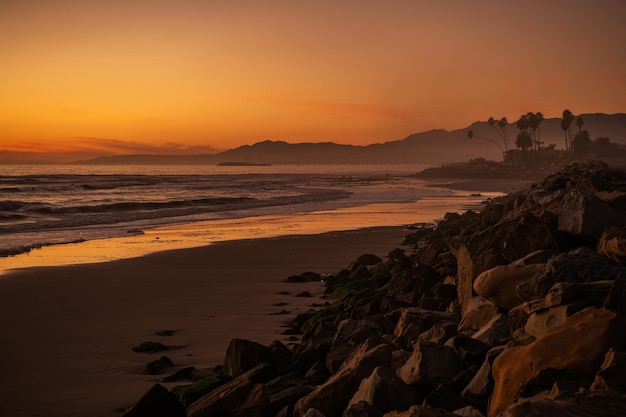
(70, 329)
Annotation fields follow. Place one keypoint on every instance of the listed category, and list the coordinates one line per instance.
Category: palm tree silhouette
(580, 122)
(470, 135)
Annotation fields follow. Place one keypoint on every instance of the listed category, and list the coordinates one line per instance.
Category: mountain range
(433, 146)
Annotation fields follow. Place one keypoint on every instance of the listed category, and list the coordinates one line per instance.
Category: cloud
(116, 146)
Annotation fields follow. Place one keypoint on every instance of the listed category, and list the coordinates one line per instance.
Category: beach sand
(67, 332)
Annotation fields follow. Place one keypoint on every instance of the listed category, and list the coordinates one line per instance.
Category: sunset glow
(138, 76)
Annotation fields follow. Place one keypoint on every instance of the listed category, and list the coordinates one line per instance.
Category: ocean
(84, 213)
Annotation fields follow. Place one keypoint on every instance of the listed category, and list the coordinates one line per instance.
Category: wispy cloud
(117, 146)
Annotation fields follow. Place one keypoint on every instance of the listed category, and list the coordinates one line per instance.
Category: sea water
(65, 214)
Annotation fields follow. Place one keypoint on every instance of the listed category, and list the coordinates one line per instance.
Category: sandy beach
(68, 331)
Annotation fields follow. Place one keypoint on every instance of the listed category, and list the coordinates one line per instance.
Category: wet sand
(68, 331)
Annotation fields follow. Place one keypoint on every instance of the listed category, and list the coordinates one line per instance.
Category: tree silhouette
(524, 141)
(501, 132)
(581, 145)
(564, 127)
(568, 118)
(502, 125)
(470, 135)
(580, 122)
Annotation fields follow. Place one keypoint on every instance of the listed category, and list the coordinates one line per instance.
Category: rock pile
(518, 310)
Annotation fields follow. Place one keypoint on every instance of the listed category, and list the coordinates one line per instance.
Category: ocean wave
(138, 206)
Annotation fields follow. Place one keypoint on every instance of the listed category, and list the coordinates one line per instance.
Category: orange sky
(192, 76)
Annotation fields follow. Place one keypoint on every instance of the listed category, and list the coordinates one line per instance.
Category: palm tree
(581, 145)
(502, 125)
(492, 123)
(564, 127)
(540, 119)
(470, 134)
(580, 122)
(524, 141)
(568, 117)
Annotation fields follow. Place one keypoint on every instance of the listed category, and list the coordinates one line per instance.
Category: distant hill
(433, 146)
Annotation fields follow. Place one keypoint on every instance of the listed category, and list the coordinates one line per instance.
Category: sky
(192, 76)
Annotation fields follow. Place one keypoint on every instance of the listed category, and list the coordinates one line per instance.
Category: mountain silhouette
(433, 146)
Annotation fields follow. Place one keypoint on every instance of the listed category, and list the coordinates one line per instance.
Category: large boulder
(498, 284)
(579, 344)
(332, 397)
(585, 216)
(580, 405)
(243, 355)
(578, 266)
(507, 241)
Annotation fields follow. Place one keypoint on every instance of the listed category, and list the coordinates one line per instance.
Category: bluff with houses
(518, 310)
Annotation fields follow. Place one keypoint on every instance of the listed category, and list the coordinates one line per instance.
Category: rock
(612, 374)
(362, 409)
(469, 350)
(542, 320)
(507, 241)
(429, 365)
(158, 366)
(579, 344)
(243, 396)
(498, 284)
(585, 216)
(285, 390)
(612, 243)
(188, 394)
(479, 389)
(468, 411)
(580, 405)
(385, 391)
(415, 321)
(332, 397)
(157, 402)
(495, 332)
(440, 332)
(368, 259)
(548, 381)
(578, 266)
(186, 373)
(411, 285)
(478, 312)
(150, 347)
(445, 397)
(312, 412)
(517, 318)
(351, 334)
(616, 299)
(243, 355)
(304, 294)
(421, 411)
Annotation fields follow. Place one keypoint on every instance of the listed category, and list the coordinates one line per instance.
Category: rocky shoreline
(518, 310)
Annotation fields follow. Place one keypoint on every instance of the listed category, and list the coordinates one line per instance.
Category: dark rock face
(243, 355)
(157, 402)
(518, 310)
